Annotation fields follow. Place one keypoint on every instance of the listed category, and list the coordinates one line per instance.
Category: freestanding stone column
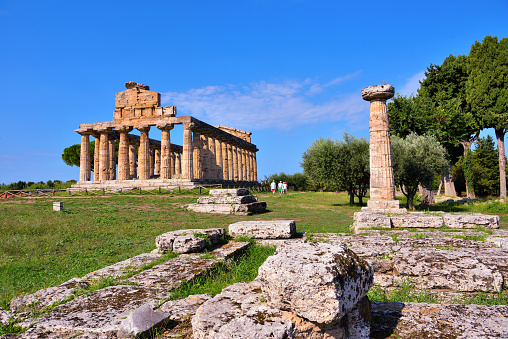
(218, 159)
(85, 167)
(132, 161)
(225, 160)
(382, 185)
(96, 157)
(167, 162)
(144, 153)
(124, 171)
(187, 164)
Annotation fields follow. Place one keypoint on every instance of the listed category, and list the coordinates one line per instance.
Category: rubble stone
(142, 322)
(188, 244)
(260, 229)
(319, 282)
(166, 242)
(181, 308)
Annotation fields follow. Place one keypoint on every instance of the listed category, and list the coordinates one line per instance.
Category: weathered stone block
(237, 209)
(142, 322)
(234, 192)
(57, 206)
(122, 267)
(181, 308)
(188, 244)
(416, 220)
(245, 199)
(471, 220)
(261, 229)
(166, 242)
(319, 282)
(369, 219)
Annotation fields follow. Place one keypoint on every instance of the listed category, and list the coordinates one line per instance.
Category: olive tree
(416, 159)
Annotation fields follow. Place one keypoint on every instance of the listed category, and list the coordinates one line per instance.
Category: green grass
(404, 293)
(241, 269)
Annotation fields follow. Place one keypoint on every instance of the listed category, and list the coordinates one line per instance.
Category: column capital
(142, 128)
(189, 125)
(104, 130)
(165, 126)
(84, 131)
(123, 129)
(377, 93)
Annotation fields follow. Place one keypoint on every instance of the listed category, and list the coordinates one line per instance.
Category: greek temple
(209, 154)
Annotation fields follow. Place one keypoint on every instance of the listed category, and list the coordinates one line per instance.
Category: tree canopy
(343, 164)
(416, 159)
(71, 155)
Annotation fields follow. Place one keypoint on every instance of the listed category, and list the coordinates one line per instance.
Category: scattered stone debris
(229, 201)
(189, 241)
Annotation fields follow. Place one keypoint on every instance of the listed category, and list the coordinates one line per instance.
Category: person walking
(280, 187)
(273, 187)
(285, 187)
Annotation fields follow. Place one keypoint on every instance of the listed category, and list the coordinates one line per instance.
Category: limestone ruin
(209, 154)
(229, 201)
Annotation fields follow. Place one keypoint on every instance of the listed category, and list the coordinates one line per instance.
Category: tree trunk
(351, 197)
(466, 144)
(427, 196)
(440, 185)
(449, 185)
(410, 200)
(502, 162)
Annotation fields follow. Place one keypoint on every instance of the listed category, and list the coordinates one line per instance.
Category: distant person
(280, 187)
(285, 187)
(273, 186)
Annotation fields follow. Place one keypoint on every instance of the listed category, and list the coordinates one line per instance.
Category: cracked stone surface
(264, 229)
(123, 267)
(186, 241)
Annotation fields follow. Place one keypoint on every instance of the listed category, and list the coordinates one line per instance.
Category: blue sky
(288, 71)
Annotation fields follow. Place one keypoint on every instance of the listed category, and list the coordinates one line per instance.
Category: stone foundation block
(416, 220)
(276, 229)
(368, 219)
(319, 282)
(142, 322)
(245, 199)
(237, 209)
(233, 192)
(471, 220)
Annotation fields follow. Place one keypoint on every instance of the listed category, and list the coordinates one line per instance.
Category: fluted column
(178, 164)
(218, 159)
(132, 161)
(249, 165)
(382, 185)
(157, 166)
(244, 164)
(235, 163)
(255, 167)
(167, 162)
(104, 156)
(144, 153)
(225, 165)
(96, 157)
(173, 164)
(112, 159)
(231, 167)
(187, 156)
(151, 161)
(197, 156)
(85, 167)
(212, 165)
(124, 172)
(205, 157)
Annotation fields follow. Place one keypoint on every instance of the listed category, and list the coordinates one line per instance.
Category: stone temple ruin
(209, 154)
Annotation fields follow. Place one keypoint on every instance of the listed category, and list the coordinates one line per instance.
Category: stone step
(263, 229)
(236, 209)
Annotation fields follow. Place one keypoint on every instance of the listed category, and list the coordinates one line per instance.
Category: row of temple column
(203, 157)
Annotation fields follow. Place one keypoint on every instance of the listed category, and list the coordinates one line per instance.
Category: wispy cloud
(258, 105)
(412, 84)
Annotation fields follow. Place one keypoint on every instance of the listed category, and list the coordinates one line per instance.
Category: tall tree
(344, 164)
(415, 161)
(487, 92)
(71, 155)
(485, 164)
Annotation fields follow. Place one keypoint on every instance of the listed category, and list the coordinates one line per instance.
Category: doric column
(157, 166)
(205, 157)
(244, 164)
(85, 167)
(255, 167)
(144, 153)
(212, 165)
(167, 162)
(231, 167)
(235, 163)
(187, 165)
(239, 163)
(132, 161)
(151, 161)
(178, 164)
(124, 172)
(196, 155)
(382, 185)
(104, 155)
(218, 159)
(248, 157)
(225, 165)
(172, 170)
(112, 159)
(96, 157)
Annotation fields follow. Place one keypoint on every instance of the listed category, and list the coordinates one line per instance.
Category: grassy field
(41, 248)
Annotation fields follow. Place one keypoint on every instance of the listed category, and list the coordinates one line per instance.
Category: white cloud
(412, 84)
(262, 104)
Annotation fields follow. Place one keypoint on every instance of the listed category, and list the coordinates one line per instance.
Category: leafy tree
(485, 167)
(344, 164)
(71, 155)
(296, 180)
(415, 161)
(487, 92)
